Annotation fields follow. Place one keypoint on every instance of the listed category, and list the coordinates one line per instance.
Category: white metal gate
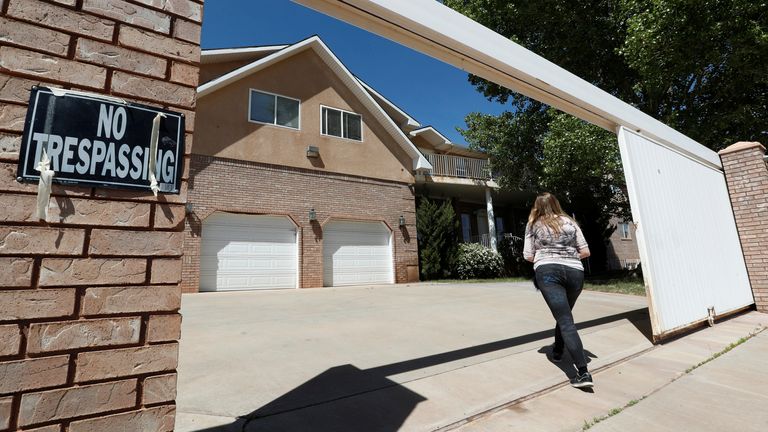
(689, 248)
(677, 190)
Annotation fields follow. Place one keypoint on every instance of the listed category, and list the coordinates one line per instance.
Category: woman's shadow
(566, 364)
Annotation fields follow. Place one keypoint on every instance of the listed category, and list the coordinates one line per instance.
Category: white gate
(686, 232)
(677, 190)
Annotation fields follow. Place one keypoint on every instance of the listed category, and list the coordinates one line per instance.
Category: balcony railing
(485, 239)
(457, 166)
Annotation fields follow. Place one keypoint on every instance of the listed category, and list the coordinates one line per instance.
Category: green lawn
(620, 286)
(511, 279)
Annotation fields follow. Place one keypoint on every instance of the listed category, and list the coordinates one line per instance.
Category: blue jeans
(561, 285)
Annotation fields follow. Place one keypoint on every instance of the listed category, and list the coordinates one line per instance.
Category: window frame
(621, 231)
(342, 111)
(275, 95)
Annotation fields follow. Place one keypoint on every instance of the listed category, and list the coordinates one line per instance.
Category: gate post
(747, 176)
(90, 296)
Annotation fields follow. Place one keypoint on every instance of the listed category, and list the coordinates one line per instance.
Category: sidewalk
(726, 394)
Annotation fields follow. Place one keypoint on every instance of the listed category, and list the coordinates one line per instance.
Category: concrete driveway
(417, 357)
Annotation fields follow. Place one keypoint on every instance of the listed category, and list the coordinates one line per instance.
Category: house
(302, 175)
(622, 252)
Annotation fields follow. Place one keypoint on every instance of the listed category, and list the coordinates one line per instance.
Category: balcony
(457, 166)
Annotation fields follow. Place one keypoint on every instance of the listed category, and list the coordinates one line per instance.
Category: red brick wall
(747, 177)
(89, 299)
(248, 187)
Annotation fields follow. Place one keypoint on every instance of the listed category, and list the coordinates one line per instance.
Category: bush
(511, 250)
(474, 261)
(436, 227)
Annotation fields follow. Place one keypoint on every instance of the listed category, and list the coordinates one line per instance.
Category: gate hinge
(711, 316)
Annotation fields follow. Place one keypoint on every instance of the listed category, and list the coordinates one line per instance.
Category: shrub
(511, 250)
(436, 227)
(474, 261)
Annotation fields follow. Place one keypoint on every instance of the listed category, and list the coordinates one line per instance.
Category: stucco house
(302, 175)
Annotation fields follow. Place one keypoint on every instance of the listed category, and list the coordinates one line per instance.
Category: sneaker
(582, 380)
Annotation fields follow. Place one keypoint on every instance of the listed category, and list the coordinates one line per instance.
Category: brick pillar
(747, 176)
(89, 300)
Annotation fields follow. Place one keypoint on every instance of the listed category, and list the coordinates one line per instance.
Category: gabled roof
(404, 120)
(334, 64)
(440, 142)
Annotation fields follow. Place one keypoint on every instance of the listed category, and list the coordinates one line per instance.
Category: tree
(436, 227)
(701, 66)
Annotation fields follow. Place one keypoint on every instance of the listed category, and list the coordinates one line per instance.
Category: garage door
(356, 253)
(246, 252)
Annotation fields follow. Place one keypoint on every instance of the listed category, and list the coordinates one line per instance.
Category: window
(624, 231)
(342, 124)
(466, 228)
(499, 226)
(272, 109)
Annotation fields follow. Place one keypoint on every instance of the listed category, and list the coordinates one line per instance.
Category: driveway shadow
(346, 398)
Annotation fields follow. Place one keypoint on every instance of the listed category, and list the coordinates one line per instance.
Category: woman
(555, 245)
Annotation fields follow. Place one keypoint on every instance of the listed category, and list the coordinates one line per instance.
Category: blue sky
(431, 91)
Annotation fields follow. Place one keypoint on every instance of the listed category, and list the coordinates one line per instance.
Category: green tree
(701, 66)
(436, 227)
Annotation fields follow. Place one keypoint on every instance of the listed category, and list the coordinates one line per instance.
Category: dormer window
(342, 124)
(272, 109)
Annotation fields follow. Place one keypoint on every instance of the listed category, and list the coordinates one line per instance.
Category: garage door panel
(243, 252)
(356, 253)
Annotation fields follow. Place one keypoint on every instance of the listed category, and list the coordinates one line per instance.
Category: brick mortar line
(169, 13)
(93, 285)
(195, 63)
(77, 351)
(13, 422)
(69, 420)
(91, 197)
(84, 226)
(63, 84)
(218, 161)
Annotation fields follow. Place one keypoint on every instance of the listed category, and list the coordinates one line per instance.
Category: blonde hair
(546, 209)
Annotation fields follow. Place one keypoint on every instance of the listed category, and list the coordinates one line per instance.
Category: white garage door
(246, 252)
(356, 253)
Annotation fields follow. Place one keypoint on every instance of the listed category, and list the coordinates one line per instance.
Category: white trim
(410, 122)
(315, 43)
(234, 54)
(250, 94)
(432, 130)
(322, 120)
(440, 32)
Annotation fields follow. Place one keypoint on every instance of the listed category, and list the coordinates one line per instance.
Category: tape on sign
(153, 153)
(44, 186)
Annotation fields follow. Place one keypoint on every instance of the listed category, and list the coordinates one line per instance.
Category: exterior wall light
(313, 151)
(402, 220)
(312, 215)
(189, 208)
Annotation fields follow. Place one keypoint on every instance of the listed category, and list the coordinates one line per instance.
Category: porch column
(491, 218)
